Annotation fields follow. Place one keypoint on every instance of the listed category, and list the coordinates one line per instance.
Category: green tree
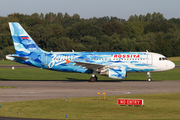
(148, 17)
(157, 18)
(110, 28)
(90, 43)
(151, 27)
(166, 27)
(133, 29)
(9, 50)
(1, 54)
(79, 30)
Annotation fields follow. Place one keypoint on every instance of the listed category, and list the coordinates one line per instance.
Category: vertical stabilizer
(23, 43)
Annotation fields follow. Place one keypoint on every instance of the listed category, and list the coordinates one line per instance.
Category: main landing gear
(94, 77)
(149, 77)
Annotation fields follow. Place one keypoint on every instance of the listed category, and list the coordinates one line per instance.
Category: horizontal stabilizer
(12, 57)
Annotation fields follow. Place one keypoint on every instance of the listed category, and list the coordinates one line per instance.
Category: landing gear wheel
(149, 79)
(93, 79)
(96, 77)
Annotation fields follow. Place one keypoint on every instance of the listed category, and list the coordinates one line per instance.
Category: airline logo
(24, 37)
(126, 56)
(59, 59)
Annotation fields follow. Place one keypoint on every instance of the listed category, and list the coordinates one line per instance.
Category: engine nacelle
(115, 73)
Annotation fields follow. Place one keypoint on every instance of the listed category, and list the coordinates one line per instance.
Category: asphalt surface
(36, 90)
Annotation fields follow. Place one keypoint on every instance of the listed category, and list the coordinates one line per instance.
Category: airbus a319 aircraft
(112, 64)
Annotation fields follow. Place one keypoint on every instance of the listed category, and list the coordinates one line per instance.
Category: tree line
(58, 32)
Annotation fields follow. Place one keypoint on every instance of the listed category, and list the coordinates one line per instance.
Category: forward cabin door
(149, 59)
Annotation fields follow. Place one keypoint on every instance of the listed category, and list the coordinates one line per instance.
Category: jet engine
(114, 72)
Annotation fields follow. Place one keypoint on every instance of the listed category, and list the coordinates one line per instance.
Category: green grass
(42, 74)
(156, 106)
(176, 62)
(174, 58)
(8, 62)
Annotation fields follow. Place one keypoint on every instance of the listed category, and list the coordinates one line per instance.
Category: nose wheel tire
(149, 79)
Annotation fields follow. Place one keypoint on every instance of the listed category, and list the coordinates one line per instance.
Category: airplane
(114, 65)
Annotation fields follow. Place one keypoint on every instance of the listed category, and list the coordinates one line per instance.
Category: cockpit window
(162, 58)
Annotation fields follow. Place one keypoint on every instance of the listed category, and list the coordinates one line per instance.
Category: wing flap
(89, 65)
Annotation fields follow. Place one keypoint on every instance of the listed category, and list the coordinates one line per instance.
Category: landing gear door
(43, 59)
(149, 59)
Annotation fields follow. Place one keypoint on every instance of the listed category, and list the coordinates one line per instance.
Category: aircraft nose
(171, 65)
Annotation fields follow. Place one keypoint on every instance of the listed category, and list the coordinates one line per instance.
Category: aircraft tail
(23, 43)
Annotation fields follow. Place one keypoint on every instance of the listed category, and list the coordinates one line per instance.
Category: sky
(92, 8)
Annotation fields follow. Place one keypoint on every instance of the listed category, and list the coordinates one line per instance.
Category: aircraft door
(149, 59)
(43, 59)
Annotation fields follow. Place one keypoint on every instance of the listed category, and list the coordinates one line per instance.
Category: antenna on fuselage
(147, 51)
(72, 50)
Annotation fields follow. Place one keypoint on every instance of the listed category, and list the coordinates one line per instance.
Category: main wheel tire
(93, 79)
(96, 77)
(149, 79)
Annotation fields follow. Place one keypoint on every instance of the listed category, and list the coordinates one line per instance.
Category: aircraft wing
(89, 65)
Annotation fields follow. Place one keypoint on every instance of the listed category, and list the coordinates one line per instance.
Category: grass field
(156, 106)
(174, 58)
(8, 62)
(42, 74)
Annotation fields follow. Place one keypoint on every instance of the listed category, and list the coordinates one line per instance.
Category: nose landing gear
(149, 77)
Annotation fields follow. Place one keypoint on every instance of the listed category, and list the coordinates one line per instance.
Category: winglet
(67, 61)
